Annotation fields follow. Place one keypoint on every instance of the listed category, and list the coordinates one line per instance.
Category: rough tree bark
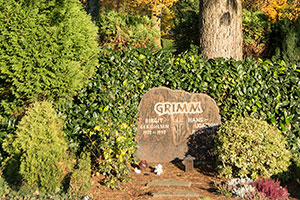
(221, 28)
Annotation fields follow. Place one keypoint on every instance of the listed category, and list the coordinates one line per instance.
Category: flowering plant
(112, 148)
(241, 186)
(271, 188)
(260, 189)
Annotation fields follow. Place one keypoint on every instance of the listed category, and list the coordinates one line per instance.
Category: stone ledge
(176, 193)
(169, 183)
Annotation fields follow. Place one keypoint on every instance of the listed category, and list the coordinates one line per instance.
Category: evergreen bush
(118, 30)
(247, 146)
(269, 90)
(81, 179)
(256, 34)
(37, 150)
(286, 40)
(186, 24)
(7, 126)
(48, 50)
(113, 149)
(4, 187)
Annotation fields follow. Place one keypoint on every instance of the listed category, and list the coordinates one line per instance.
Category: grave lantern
(188, 163)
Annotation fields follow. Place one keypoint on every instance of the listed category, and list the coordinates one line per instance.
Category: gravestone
(172, 123)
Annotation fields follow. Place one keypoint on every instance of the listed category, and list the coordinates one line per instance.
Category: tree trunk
(156, 19)
(221, 28)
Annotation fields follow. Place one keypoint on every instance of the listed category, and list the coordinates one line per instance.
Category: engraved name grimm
(177, 108)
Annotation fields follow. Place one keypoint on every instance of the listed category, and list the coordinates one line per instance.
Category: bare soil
(202, 179)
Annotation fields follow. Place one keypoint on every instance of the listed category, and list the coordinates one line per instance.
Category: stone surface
(176, 193)
(188, 163)
(174, 123)
(169, 183)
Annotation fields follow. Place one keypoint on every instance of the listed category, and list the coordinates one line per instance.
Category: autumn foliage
(275, 9)
(153, 4)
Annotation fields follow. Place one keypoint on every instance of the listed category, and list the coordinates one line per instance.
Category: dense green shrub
(7, 126)
(186, 24)
(114, 92)
(37, 149)
(4, 187)
(34, 195)
(81, 179)
(118, 30)
(112, 146)
(256, 34)
(286, 40)
(247, 146)
(255, 25)
(269, 90)
(48, 51)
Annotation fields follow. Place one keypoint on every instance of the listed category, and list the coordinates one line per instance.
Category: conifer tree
(48, 50)
(156, 7)
(36, 152)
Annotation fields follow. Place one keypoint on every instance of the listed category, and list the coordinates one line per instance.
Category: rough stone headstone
(171, 124)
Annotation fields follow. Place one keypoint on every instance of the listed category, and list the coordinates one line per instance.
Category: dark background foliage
(286, 41)
(186, 25)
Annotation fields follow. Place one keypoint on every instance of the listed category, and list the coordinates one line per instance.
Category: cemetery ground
(201, 179)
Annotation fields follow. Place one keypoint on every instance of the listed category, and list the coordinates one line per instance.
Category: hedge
(269, 91)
